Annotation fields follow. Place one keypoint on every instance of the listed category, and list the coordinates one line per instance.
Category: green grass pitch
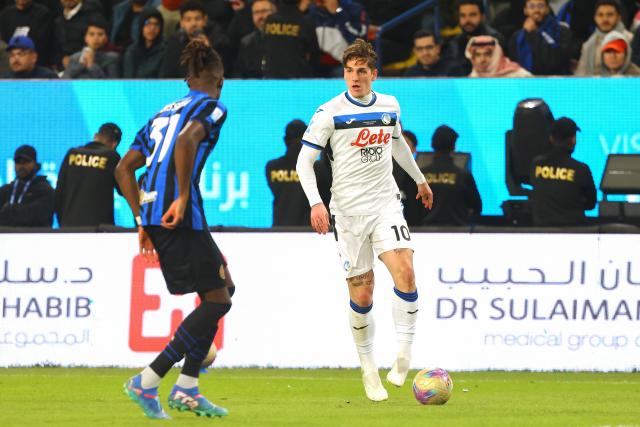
(323, 397)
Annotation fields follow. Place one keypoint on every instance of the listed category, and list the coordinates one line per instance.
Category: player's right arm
(315, 139)
(126, 177)
(184, 156)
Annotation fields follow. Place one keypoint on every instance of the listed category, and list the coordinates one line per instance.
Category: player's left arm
(184, 156)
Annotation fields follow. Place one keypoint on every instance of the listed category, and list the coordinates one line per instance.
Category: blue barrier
(57, 115)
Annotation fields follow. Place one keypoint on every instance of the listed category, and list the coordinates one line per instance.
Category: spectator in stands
(28, 200)
(579, 16)
(608, 18)
(221, 11)
(126, 22)
(396, 43)
(543, 45)
(472, 21)
(291, 44)
(290, 206)
(413, 210)
(84, 193)
(4, 59)
(635, 22)
(635, 48)
(241, 25)
(456, 200)
(616, 57)
(430, 63)
(94, 61)
(143, 59)
(250, 61)
(509, 19)
(193, 24)
(170, 11)
(563, 187)
(338, 24)
(488, 60)
(23, 61)
(30, 19)
(69, 29)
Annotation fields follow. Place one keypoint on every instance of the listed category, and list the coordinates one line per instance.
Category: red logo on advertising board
(143, 302)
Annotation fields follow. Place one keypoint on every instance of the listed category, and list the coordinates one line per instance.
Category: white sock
(185, 381)
(363, 330)
(149, 378)
(405, 314)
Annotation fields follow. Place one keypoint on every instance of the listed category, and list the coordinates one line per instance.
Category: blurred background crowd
(305, 38)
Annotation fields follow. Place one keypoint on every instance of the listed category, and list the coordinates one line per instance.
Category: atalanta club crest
(386, 118)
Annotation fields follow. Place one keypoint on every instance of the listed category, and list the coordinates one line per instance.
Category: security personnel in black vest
(563, 187)
(84, 194)
(290, 206)
(291, 44)
(455, 195)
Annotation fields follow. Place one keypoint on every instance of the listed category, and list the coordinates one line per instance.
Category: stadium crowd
(305, 38)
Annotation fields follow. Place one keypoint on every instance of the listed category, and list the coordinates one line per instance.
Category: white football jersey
(359, 138)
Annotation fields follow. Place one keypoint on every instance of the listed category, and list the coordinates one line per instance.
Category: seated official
(27, 201)
(456, 200)
(290, 206)
(563, 187)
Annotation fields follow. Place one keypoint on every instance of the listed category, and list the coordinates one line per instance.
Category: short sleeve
(211, 114)
(141, 142)
(397, 130)
(319, 130)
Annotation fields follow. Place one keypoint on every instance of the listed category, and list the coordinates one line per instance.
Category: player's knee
(362, 299)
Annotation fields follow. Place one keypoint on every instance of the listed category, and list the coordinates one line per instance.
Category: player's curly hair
(362, 50)
(200, 59)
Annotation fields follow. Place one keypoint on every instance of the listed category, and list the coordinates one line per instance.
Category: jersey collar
(193, 92)
(354, 102)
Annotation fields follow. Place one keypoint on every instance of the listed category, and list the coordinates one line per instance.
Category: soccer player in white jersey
(362, 130)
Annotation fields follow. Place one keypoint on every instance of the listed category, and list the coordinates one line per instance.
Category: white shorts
(358, 237)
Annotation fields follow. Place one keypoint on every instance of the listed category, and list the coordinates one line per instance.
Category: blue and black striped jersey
(156, 141)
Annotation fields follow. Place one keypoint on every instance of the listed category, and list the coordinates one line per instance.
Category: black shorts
(189, 259)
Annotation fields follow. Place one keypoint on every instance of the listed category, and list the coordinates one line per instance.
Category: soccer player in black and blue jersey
(174, 146)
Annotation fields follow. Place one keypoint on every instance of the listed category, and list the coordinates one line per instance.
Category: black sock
(193, 359)
(193, 329)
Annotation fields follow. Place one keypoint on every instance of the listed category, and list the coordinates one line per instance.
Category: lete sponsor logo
(149, 308)
(366, 137)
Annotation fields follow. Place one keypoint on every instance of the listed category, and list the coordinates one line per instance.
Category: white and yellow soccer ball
(432, 386)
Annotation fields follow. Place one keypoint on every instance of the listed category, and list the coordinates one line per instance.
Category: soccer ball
(211, 356)
(432, 386)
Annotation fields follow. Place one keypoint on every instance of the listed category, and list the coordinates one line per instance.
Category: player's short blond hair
(360, 50)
